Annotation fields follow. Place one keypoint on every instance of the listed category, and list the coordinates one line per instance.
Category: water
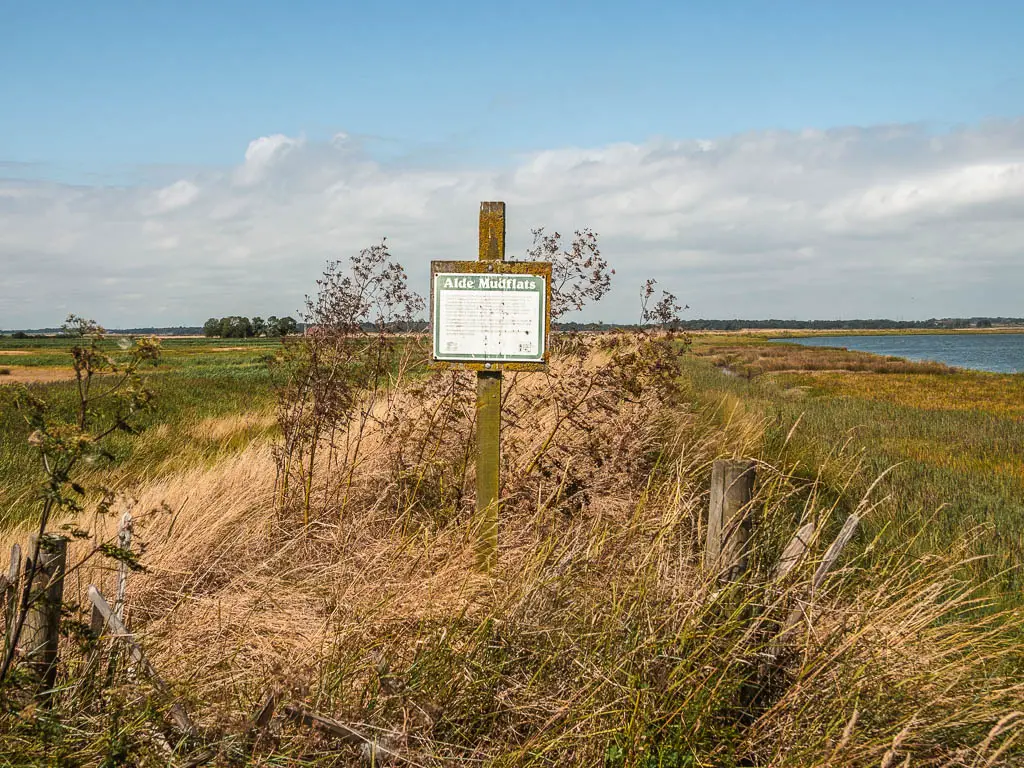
(998, 352)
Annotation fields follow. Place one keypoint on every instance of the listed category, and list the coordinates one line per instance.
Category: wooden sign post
(488, 408)
(488, 316)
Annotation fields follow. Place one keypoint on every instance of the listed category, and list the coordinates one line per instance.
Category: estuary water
(998, 352)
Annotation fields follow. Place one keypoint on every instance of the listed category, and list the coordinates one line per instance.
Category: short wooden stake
(729, 518)
(42, 625)
(124, 541)
(794, 552)
(488, 410)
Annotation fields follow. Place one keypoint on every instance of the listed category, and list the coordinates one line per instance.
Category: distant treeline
(176, 330)
(239, 327)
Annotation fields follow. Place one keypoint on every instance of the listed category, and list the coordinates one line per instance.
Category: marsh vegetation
(333, 565)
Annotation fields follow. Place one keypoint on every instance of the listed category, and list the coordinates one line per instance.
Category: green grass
(192, 383)
(953, 442)
(176, 352)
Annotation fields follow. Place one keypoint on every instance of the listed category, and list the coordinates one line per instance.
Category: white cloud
(937, 195)
(261, 154)
(177, 195)
(888, 221)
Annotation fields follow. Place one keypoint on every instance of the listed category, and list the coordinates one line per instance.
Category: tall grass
(597, 640)
(954, 444)
(176, 433)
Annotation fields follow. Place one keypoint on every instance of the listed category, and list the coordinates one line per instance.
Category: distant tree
(239, 327)
(286, 326)
(235, 327)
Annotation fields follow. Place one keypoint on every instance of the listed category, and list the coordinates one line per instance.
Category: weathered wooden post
(488, 407)
(486, 316)
(42, 624)
(729, 518)
(10, 593)
(124, 542)
(11, 590)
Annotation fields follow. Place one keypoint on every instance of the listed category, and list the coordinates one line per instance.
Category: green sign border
(541, 290)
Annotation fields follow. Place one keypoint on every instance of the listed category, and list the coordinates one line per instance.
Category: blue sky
(96, 86)
(139, 96)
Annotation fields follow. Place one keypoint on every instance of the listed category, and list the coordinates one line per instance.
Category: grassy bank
(953, 441)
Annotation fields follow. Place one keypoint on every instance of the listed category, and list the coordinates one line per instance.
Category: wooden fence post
(729, 518)
(124, 542)
(11, 593)
(42, 625)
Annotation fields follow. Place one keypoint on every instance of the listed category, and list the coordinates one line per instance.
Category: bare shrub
(579, 274)
(351, 354)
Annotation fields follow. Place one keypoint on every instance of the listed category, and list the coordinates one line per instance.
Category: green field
(197, 382)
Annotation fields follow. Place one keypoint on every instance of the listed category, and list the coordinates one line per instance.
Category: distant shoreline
(788, 333)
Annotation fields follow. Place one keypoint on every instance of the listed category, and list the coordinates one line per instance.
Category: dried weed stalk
(329, 380)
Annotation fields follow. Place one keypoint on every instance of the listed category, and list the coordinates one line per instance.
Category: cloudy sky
(162, 165)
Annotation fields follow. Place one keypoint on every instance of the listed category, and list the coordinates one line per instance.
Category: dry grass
(996, 393)
(18, 374)
(224, 428)
(597, 640)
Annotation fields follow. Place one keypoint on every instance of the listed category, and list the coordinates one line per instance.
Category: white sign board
(489, 317)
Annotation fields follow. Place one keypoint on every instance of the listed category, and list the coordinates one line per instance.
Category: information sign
(497, 316)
